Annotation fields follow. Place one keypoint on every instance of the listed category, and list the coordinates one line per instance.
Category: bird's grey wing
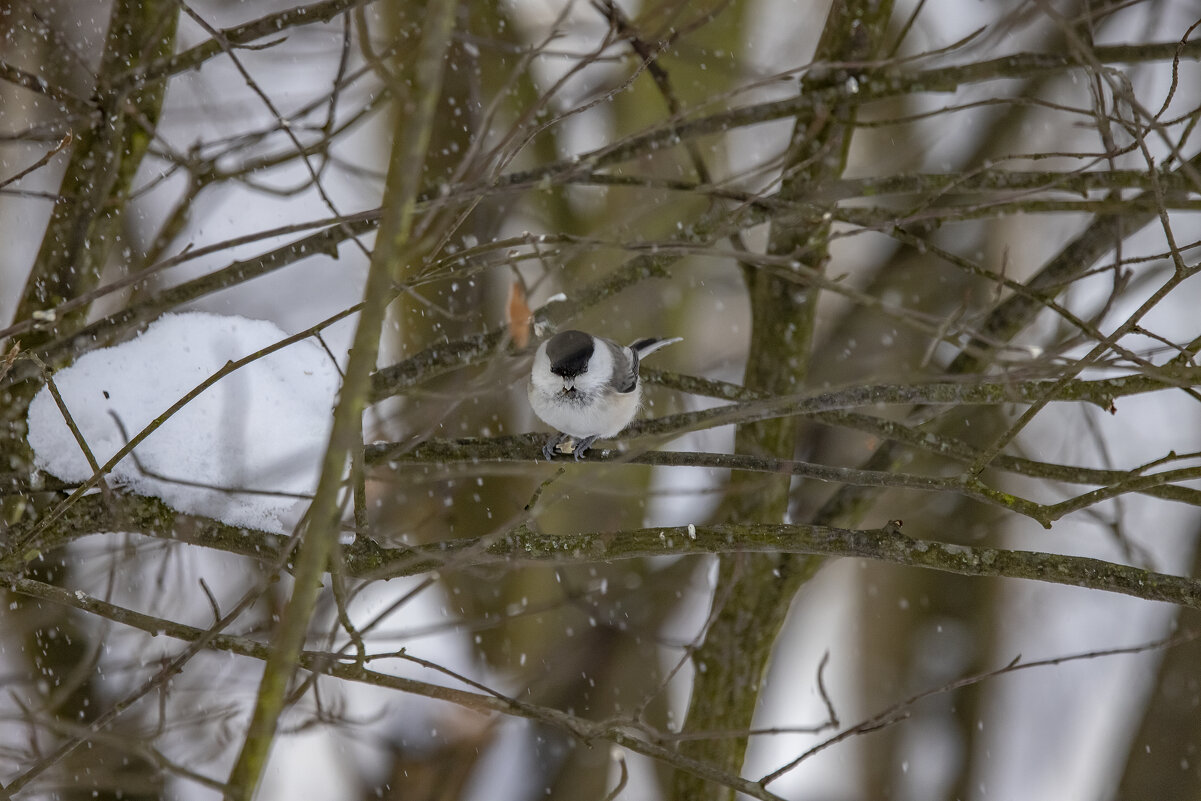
(625, 368)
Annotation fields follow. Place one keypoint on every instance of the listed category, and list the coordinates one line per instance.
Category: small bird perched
(587, 387)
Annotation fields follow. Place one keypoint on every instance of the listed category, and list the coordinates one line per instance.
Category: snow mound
(263, 428)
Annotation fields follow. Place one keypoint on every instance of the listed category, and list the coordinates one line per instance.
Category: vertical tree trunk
(109, 145)
(755, 592)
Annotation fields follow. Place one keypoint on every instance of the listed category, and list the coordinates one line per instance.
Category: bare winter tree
(934, 265)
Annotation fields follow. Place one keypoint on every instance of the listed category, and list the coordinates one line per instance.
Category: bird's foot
(552, 444)
(580, 446)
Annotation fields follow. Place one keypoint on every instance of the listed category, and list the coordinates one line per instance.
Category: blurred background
(816, 197)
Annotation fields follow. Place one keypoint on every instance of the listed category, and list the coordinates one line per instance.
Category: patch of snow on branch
(264, 427)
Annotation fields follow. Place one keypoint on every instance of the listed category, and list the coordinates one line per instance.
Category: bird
(587, 387)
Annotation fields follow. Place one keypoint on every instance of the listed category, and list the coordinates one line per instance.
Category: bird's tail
(645, 347)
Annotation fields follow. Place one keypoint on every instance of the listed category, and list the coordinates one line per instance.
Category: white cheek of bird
(587, 387)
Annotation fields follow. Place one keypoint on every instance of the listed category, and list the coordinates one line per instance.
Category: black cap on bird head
(569, 352)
